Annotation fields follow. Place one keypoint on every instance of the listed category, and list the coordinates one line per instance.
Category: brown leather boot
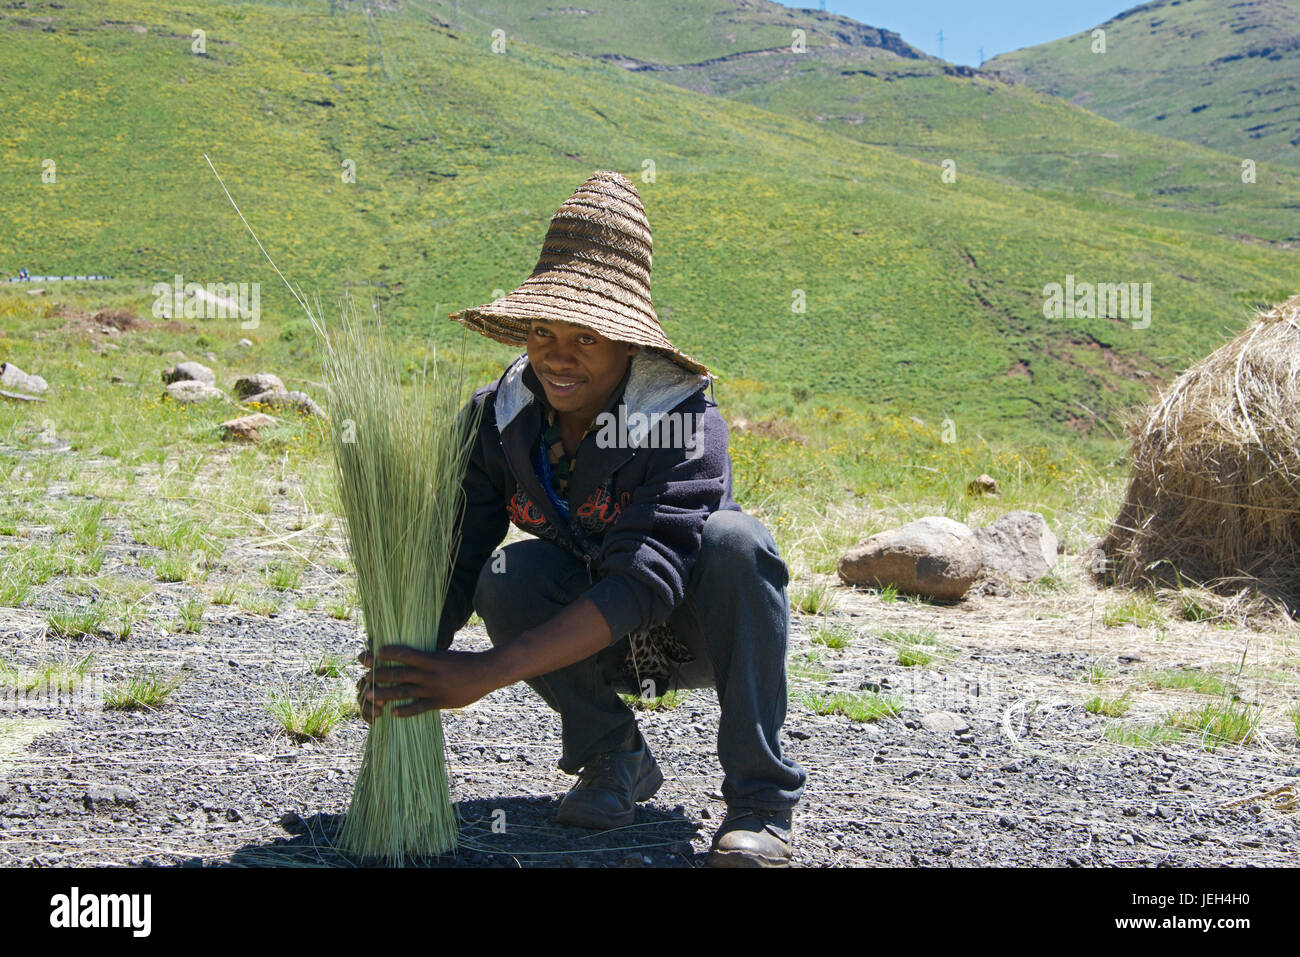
(609, 787)
(751, 837)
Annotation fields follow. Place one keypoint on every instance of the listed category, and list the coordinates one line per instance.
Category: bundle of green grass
(1214, 496)
(400, 453)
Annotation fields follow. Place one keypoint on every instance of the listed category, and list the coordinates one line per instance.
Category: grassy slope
(1214, 72)
(923, 298)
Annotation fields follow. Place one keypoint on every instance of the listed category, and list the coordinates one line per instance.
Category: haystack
(1214, 496)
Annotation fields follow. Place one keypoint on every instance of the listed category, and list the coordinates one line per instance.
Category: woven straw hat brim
(593, 271)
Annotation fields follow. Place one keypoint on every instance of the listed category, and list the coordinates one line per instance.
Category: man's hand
(442, 679)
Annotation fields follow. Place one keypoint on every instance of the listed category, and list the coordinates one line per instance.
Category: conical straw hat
(594, 271)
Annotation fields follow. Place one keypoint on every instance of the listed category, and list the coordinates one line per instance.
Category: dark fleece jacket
(637, 506)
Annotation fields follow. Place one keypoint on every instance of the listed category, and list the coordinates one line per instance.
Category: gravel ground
(1015, 771)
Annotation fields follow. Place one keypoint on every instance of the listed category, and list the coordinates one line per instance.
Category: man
(645, 576)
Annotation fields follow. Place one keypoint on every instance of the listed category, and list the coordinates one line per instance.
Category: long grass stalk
(400, 454)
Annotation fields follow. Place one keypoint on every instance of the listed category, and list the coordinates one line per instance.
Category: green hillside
(868, 85)
(1220, 73)
(920, 297)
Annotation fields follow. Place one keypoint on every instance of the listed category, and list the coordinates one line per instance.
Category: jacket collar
(653, 386)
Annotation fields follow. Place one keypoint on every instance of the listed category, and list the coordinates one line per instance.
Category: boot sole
(742, 859)
(647, 789)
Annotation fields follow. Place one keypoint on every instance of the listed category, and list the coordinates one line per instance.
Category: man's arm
(454, 679)
(482, 522)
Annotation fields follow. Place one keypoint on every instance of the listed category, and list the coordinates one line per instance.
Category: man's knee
(735, 540)
(522, 581)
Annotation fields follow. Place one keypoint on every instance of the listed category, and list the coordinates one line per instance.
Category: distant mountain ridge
(1219, 73)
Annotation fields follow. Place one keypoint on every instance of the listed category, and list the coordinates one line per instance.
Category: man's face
(577, 366)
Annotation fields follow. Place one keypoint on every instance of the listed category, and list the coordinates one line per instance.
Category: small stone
(257, 383)
(190, 390)
(290, 821)
(799, 735)
(112, 795)
(984, 484)
(246, 428)
(233, 815)
(189, 372)
(279, 399)
(12, 377)
(1009, 822)
(944, 722)
(245, 343)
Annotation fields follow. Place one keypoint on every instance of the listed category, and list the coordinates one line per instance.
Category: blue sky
(968, 26)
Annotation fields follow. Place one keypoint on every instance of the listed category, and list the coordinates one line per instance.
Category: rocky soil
(992, 761)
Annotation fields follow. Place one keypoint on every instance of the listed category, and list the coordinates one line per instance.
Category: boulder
(934, 556)
(245, 428)
(189, 390)
(189, 372)
(12, 377)
(1019, 546)
(279, 399)
(257, 383)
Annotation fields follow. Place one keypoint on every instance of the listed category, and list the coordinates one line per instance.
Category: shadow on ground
(503, 832)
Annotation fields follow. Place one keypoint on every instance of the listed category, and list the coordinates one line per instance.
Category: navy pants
(735, 619)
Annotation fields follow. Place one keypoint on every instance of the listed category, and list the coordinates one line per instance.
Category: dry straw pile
(1214, 496)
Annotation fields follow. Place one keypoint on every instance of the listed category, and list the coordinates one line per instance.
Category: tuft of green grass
(1138, 608)
(192, 616)
(857, 707)
(806, 667)
(1112, 707)
(329, 665)
(15, 588)
(1189, 679)
(311, 716)
(1096, 673)
(1139, 735)
(143, 692)
(1052, 583)
(917, 649)
(1192, 610)
(225, 595)
(1294, 715)
(259, 605)
(1218, 723)
(175, 567)
(340, 609)
(815, 599)
(68, 622)
(833, 636)
(889, 593)
(307, 603)
(61, 675)
(284, 576)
